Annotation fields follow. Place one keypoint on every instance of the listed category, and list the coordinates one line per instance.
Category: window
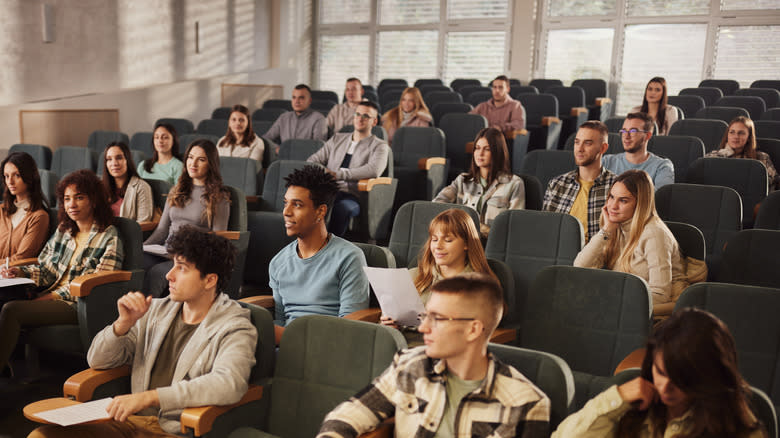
(466, 9)
(474, 55)
(638, 8)
(573, 8)
(579, 54)
(406, 54)
(333, 11)
(340, 53)
(408, 12)
(747, 53)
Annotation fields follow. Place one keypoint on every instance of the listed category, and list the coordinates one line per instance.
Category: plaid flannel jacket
(413, 389)
(562, 190)
(103, 253)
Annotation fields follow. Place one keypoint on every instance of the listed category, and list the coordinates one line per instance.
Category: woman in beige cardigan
(634, 239)
(129, 196)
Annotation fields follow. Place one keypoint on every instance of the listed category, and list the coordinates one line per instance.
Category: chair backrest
(261, 127)
(538, 106)
(515, 92)
(67, 159)
(265, 351)
(390, 98)
(284, 104)
(615, 124)
(747, 177)
(412, 143)
(725, 113)
(754, 105)
(324, 95)
(457, 84)
(160, 189)
(187, 139)
(568, 97)
(727, 86)
(49, 181)
(98, 140)
(316, 370)
(269, 113)
(238, 210)
(440, 109)
(544, 84)
(132, 243)
(274, 185)
(715, 210)
(593, 88)
(222, 112)
(239, 172)
(767, 129)
(182, 126)
(768, 217)
(267, 237)
(764, 410)
(143, 141)
(682, 150)
(215, 127)
(546, 165)
(299, 149)
(323, 106)
(592, 318)
(547, 371)
(391, 82)
(689, 104)
(771, 114)
(534, 192)
(477, 97)
(410, 228)
(426, 90)
(376, 257)
(40, 153)
(770, 96)
(433, 81)
(689, 238)
(527, 241)
(709, 94)
(469, 89)
(460, 129)
(710, 131)
(434, 98)
(750, 257)
(766, 83)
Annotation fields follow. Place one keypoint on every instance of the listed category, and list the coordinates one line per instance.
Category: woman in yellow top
(689, 387)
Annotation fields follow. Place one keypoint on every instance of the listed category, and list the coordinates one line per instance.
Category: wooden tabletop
(30, 411)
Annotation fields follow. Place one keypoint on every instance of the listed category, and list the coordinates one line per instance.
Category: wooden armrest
(229, 235)
(384, 430)
(264, 301)
(201, 419)
(427, 163)
(470, 147)
(517, 132)
(148, 225)
(663, 310)
(503, 336)
(601, 101)
(82, 285)
(82, 385)
(368, 315)
(366, 185)
(24, 262)
(577, 110)
(633, 360)
(252, 199)
(549, 120)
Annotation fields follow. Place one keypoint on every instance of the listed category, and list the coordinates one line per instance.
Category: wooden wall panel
(66, 127)
(250, 95)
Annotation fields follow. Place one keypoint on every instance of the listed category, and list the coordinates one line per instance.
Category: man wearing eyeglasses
(350, 157)
(636, 132)
(451, 386)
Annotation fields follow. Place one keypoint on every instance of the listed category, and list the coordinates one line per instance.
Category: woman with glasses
(655, 105)
(411, 111)
(739, 141)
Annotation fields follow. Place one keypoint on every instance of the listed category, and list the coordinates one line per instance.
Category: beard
(636, 147)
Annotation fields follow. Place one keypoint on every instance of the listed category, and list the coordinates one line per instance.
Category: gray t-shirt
(174, 218)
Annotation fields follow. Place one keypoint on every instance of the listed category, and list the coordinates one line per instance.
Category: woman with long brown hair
(655, 104)
(24, 222)
(165, 163)
(129, 196)
(240, 139)
(411, 111)
(689, 386)
(739, 141)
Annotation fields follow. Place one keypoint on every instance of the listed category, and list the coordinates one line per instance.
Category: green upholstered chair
(160, 189)
(751, 258)
(299, 149)
(269, 114)
(688, 104)
(709, 94)
(769, 213)
(376, 257)
(715, 211)
(754, 105)
(710, 131)
(682, 150)
(766, 83)
(323, 106)
(534, 192)
(325, 95)
(143, 141)
(615, 124)
(439, 109)
(215, 127)
(316, 370)
(238, 210)
(750, 312)
(592, 318)
(469, 90)
(182, 126)
(420, 164)
(542, 120)
(571, 109)
(274, 185)
(544, 84)
(528, 241)
(267, 237)
(49, 181)
(747, 177)
(459, 83)
(690, 239)
(98, 140)
(598, 104)
(40, 153)
(67, 159)
(546, 165)
(186, 139)
(725, 113)
(222, 112)
(727, 86)
(241, 173)
(460, 129)
(767, 129)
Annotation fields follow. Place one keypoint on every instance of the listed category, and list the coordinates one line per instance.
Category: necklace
(327, 239)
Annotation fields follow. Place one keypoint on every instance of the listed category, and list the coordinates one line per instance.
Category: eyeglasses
(364, 116)
(434, 320)
(631, 131)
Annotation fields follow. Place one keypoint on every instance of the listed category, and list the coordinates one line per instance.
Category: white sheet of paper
(396, 294)
(156, 250)
(77, 414)
(5, 282)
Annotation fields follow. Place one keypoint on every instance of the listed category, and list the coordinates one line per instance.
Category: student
(165, 163)
(198, 199)
(411, 111)
(739, 141)
(195, 347)
(451, 386)
(240, 140)
(85, 242)
(129, 196)
(489, 186)
(501, 111)
(690, 386)
(342, 114)
(302, 122)
(317, 273)
(655, 105)
(24, 222)
(635, 240)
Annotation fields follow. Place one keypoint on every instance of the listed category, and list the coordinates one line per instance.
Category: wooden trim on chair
(550, 120)
(601, 101)
(366, 185)
(264, 301)
(515, 133)
(24, 262)
(368, 315)
(229, 235)
(633, 360)
(427, 163)
(148, 225)
(81, 386)
(201, 419)
(503, 336)
(82, 285)
(252, 199)
(470, 147)
(577, 110)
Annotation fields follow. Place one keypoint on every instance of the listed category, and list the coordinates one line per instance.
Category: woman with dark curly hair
(85, 242)
(23, 218)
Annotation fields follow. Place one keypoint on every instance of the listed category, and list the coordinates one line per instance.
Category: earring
(319, 219)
